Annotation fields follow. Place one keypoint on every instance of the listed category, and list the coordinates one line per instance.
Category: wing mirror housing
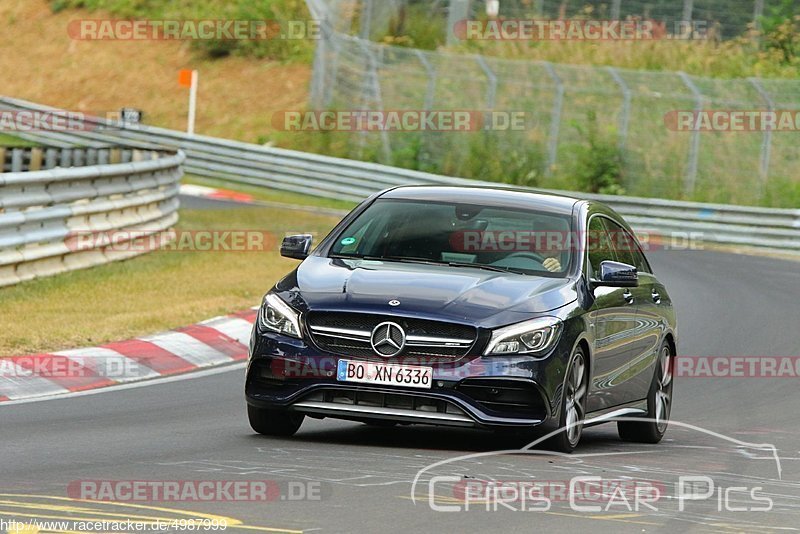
(616, 274)
(296, 247)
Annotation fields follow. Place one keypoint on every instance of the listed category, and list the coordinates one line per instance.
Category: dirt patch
(236, 99)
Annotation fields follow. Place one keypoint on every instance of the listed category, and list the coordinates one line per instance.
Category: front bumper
(473, 391)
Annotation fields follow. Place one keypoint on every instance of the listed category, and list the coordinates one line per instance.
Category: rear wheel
(659, 404)
(274, 422)
(573, 404)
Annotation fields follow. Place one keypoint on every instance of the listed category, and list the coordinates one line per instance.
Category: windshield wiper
(485, 267)
(401, 259)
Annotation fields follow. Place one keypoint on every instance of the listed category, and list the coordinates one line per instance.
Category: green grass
(10, 140)
(153, 292)
(281, 11)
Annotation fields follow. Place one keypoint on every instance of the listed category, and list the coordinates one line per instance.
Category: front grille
(348, 334)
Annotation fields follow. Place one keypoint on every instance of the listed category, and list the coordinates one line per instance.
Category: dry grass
(150, 293)
(236, 99)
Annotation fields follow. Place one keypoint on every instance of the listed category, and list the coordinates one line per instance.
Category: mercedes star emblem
(388, 339)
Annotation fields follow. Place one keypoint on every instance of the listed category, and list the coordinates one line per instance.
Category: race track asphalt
(359, 479)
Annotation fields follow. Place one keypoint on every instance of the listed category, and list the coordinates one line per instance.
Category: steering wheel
(530, 255)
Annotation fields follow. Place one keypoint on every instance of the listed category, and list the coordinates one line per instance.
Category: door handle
(628, 296)
(656, 297)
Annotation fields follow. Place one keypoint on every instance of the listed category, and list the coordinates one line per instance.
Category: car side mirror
(296, 246)
(616, 274)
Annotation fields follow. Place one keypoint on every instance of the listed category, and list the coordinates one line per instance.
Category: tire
(573, 404)
(274, 422)
(659, 404)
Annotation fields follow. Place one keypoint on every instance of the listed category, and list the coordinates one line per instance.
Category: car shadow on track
(436, 438)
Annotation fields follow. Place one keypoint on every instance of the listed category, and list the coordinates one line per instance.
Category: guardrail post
(690, 180)
(51, 158)
(491, 78)
(372, 90)
(458, 11)
(17, 160)
(615, 4)
(758, 12)
(626, 107)
(66, 157)
(688, 8)
(77, 157)
(366, 19)
(2, 159)
(430, 95)
(555, 118)
(319, 69)
(766, 143)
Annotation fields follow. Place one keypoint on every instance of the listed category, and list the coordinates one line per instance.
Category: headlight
(277, 316)
(536, 336)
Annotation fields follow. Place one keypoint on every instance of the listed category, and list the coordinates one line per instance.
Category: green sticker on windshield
(347, 241)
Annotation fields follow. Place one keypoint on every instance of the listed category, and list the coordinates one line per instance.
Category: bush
(780, 30)
(597, 163)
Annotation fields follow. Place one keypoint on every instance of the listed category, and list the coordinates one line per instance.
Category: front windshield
(460, 235)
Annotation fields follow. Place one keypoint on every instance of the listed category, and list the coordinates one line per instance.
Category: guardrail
(350, 180)
(54, 198)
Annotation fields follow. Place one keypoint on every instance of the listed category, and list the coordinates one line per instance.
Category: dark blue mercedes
(468, 306)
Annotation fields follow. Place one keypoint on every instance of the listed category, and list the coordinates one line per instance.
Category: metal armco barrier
(343, 179)
(59, 206)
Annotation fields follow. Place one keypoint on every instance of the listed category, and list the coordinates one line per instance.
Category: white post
(192, 103)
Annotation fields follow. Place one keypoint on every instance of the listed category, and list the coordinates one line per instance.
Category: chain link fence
(575, 116)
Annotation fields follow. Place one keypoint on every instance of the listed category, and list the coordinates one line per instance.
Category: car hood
(479, 297)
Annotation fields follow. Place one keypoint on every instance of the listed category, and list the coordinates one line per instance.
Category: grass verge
(153, 292)
(10, 140)
(270, 195)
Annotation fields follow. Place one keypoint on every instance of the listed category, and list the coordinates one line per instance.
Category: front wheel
(573, 404)
(659, 404)
(274, 422)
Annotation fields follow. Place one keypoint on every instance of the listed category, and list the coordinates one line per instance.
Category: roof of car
(488, 196)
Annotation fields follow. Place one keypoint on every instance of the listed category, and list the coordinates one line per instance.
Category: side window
(598, 246)
(625, 247)
(620, 242)
(641, 262)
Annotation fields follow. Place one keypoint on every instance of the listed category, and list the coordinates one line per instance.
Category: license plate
(387, 374)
